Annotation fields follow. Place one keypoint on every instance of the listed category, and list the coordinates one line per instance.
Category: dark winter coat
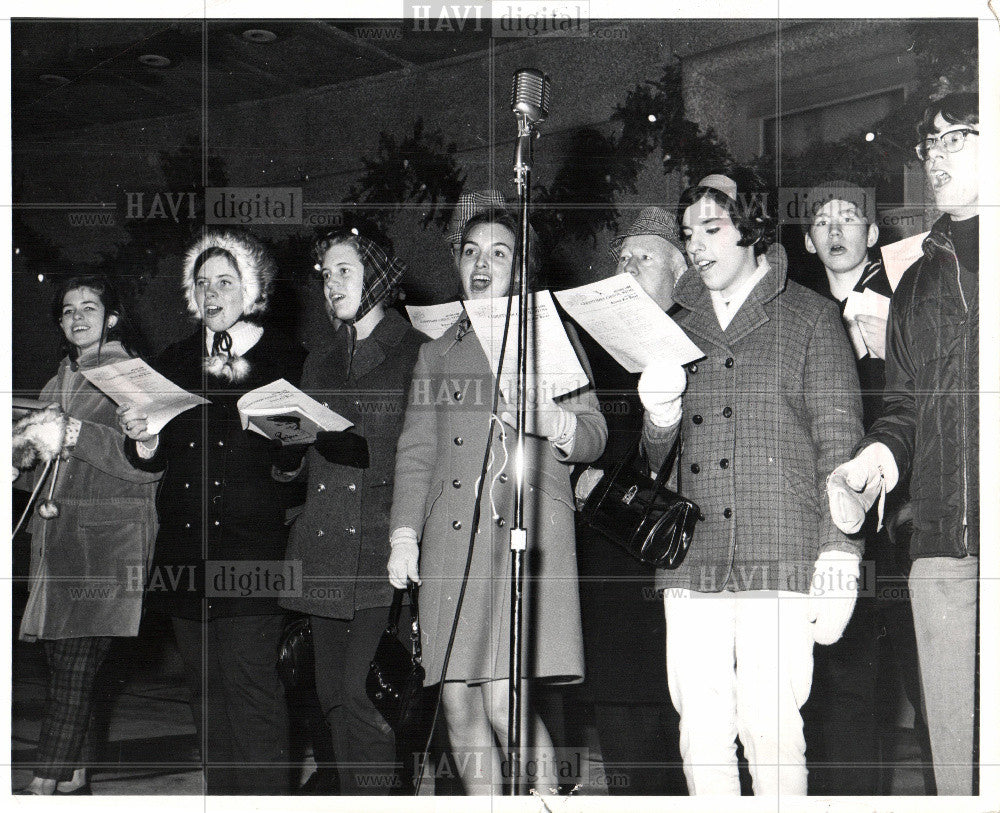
(218, 502)
(931, 410)
(341, 538)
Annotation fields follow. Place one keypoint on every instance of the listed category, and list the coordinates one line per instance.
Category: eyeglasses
(952, 141)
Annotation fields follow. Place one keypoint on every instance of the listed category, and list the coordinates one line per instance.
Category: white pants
(740, 664)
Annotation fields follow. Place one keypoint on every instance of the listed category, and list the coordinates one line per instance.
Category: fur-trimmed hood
(253, 261)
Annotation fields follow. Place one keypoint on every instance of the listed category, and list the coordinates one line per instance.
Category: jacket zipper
(965, 455)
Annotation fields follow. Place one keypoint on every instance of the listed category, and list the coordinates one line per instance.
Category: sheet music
(434, 320)
(627, 323)
(553, 367)
(135, 383)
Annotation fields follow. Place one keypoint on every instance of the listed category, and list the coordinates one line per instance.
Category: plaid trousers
(73, 666)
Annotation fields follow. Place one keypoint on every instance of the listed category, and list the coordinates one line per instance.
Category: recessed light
(154, 61)
(259, 35)
(53, 79)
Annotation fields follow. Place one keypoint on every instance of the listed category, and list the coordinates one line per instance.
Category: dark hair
(749, 211)
(122, 331)
(211, 252)
(955, 108)
(501, 217)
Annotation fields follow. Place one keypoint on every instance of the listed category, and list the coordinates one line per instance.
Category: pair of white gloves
(852, 488)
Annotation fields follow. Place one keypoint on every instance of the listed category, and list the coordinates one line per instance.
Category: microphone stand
(518, 533)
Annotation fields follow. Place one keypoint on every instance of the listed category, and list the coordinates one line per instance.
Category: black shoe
(321, 783)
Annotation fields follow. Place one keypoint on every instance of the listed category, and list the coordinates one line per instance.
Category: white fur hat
(254, 262)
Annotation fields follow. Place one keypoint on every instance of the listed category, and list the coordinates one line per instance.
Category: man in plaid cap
(636, 725)
(651, 250)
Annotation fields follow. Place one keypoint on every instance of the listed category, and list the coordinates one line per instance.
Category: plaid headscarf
(382, 272)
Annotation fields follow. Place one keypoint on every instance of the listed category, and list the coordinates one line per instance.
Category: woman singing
(222, 516)
(438, 464)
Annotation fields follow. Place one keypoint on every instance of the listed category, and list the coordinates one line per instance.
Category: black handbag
(641, 515)
(296, 657)
(395, 675)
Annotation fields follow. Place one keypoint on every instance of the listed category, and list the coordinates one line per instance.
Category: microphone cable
(474, 525)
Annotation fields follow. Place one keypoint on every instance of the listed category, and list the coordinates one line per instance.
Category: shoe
(83, 790)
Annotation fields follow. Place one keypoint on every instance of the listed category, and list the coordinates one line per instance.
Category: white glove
(404, 558)
(854, 486)
(660, 388)
(832, 594)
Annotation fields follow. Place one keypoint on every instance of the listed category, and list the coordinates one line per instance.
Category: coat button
(351, 530)
(217, 483)
(326, 404)
(724, 463)
(216, 523)
(501, 522)
(456, 525)
(695, 468)
(502, 478)
(191, 444)
(320, 532)
(456, 483)
(693, 368)
(221, 443)
(701, 517)
(730, 361)
(187, 485)
(321, 487)
(187, 524)
(458, 441)
(352, 487)
(458, 396)
(727, 513)
(727, 412)
(696, 420)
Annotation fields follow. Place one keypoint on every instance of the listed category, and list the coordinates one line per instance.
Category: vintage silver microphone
(529, 100)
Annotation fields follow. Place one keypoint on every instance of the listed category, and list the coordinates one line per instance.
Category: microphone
(530, 95)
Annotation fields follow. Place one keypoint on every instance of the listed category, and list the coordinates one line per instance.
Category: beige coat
(438, 463)
(89, 564)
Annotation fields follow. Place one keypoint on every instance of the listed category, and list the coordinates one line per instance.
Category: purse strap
(396, 608)
(668, 461)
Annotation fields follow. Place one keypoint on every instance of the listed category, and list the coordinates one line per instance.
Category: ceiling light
(154, 61)
(259, 35)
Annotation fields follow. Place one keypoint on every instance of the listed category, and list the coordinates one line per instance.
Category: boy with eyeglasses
(929, 434)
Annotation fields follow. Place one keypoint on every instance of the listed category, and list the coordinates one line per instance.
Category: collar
(110, 353)
(725, 309)
(690, 292)
(244, 335)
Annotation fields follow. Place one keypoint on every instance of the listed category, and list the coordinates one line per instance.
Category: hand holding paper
(134, 383)
(627, 323)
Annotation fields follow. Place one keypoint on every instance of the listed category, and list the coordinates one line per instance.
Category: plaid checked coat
(767, 415)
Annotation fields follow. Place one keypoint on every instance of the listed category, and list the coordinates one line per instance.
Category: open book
(280, 411)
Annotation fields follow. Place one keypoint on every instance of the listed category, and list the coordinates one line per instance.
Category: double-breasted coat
(218, 502)
(342, 536)
(88, 565)
(773, 408)
(438, 464)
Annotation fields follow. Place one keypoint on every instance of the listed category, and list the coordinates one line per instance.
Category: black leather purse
(395, 675)
(296, 657)
(641, 515)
